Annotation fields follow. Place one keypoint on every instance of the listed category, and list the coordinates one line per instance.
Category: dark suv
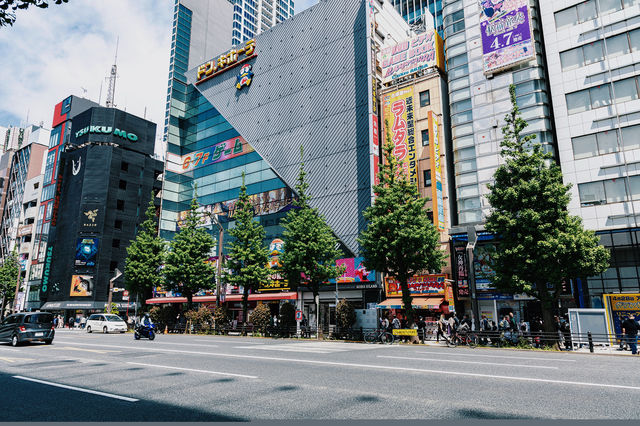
(27, 327)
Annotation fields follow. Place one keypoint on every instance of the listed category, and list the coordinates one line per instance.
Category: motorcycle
(148, 332)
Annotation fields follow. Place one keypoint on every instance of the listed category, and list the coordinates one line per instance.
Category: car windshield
(41, 319)
(113, 318)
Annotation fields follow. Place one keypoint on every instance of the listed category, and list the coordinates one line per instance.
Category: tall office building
(593, 55)
(490, 45)
(251, 17)
(413, 10)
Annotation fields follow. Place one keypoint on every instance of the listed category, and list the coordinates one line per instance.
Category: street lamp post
(116, 275)
(472, 240)
(214, 219)
(16, 305)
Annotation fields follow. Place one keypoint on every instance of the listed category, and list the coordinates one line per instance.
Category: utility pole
(471, 244)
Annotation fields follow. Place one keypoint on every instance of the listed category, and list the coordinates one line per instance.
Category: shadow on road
(66, 405)
(489, 415)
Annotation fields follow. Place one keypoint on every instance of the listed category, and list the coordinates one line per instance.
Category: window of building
(600, 96)
(120, 205)
(115, 243)
(427, 178)
(625, 90)
(578, 102)
(616, 190)
(593, 52)
(425, 137)
(607, 142)
(584, 146)
(117, 224)
(631, 137)
(618, 45)
(425, 98)
(591, 193)
(124, 166)
(634, 184)
(36, 185)
(608, 6)
(122, 184)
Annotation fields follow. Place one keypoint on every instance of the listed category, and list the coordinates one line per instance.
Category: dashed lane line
(469, 362)
(91, 391)
(168, 367)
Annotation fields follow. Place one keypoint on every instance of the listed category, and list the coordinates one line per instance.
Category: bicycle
(379, 336)
(470, 339)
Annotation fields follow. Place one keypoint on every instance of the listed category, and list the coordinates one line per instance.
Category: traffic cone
(166, 329)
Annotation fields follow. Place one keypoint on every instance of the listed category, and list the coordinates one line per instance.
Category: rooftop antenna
(100, 95)
(111, 91)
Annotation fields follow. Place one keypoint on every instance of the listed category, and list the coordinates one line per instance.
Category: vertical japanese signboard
(436, 172)
(413, 55)
(399, 119)
(507, 38)
(374, 150)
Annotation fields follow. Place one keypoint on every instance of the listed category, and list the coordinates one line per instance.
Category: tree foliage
(400, 239)
(345, 314)
(310, 248)
(163, 316)
(541, 245)
(113, 309)
(9, 272)
(8, 8)
(248, 256)
(187, 267)
(200, 317)
(145, 256)
(221, 316)
(261, 317)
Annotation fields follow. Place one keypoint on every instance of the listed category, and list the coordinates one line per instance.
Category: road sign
(405, 332)
(125, 295)
(298, 315)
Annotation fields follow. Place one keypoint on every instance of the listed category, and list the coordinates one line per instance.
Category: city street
(96, 377)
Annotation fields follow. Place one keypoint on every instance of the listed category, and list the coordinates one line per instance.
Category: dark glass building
(106, 175)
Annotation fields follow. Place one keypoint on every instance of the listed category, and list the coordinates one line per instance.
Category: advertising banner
(398, 113)
(225, 150)
(419, 285)
(411, 56)
(265, 203)
(355, 271)
(462, 276)
(506, 34)
(619, 307)
(86, 251)
(91, 217)
(482, 266)
(436, 172)
(81, 285)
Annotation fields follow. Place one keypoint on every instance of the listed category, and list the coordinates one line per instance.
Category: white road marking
(230, 340)
(475, 354)
(91, 391)
(386, 367)
(185, 344)
(193, 370)
(468, 362)
(311, 347)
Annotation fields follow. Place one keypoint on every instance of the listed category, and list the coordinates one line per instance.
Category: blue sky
(69, 49)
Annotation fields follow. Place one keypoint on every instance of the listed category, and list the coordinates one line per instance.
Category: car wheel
(48, 341)
(15, 341)
(89, 329)
(104, 330)
(122, 332)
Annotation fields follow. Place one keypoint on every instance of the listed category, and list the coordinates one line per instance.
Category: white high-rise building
(251, 17)
(593, 54)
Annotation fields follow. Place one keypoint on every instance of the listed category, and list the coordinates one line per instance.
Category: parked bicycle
(470, 339)
(379, 336)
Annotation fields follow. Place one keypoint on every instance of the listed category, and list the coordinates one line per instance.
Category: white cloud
(301, 5)
(52, 53)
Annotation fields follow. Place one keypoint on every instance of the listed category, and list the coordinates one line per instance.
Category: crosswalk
(312, 347)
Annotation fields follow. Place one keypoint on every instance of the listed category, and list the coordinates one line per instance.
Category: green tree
(8, 8)
(187, 269)
(400, 239)
(145, 256)
(8, 279)
(310, 248)
(248, 256)
(111, 310)
(541, 245)
(260, 317)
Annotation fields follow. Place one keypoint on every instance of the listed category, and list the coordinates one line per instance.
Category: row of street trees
(541, 246)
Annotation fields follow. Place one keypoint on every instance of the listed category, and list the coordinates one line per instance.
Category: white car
(106, 323)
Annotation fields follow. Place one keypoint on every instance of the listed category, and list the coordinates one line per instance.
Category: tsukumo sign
(107, 130)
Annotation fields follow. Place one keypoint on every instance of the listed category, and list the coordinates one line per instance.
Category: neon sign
(226, 61)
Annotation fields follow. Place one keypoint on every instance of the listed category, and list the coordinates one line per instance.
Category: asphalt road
(96, 377)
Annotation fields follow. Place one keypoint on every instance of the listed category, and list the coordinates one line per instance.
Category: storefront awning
(227, 298)
(432, 303)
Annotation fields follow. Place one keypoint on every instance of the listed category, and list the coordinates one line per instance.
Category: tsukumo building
(312, 81)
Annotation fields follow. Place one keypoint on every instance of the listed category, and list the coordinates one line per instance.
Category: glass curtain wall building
(412, 10)
(194, 126)
(251, 17)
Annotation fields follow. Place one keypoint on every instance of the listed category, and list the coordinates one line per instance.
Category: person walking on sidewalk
(72, 321)
(630, 329)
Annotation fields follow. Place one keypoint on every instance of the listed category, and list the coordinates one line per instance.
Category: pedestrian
(72, 321)
(395, 323)
(442, 327)
(484, 329)
(83, 322)
(630, 328)
(385, 324)
(55, 322)
(422, 328)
